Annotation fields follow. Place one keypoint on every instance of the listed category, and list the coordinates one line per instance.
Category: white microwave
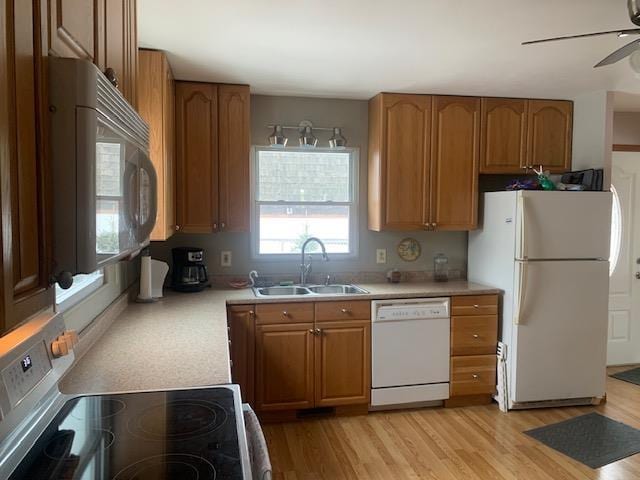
(104, 185)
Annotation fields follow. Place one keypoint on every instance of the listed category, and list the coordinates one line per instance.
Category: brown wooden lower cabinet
(299, 357)
(343, 363)
(284, 366)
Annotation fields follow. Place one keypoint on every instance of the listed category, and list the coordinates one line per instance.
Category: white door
(561, 225)
(559, 345)
(624, 287)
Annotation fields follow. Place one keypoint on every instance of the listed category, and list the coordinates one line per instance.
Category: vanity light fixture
(307, 138)
(278, 138)
(337, 140)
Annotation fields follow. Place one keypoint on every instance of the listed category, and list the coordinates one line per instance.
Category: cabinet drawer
(473, 375)
(474, 335)
(474, 305)
(269, 313)
(348, 310)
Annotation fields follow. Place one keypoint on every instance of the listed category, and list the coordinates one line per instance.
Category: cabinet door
(121, 45)
(405, 161)
(234, 145)
(454, 162)
(23, 196)
(343, 363)
(73, 28)
(549, 134)
(284, 366)
(241, 323)
(197, 157)
(503, 138)
(156, 106)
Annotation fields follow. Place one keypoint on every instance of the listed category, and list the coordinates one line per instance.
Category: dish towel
(258, 452)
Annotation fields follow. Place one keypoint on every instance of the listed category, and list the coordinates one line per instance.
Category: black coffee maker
(189, 271)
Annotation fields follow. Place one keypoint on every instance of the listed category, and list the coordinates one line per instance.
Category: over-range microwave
(104, 185)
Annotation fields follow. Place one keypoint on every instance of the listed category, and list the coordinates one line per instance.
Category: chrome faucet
(305, 269)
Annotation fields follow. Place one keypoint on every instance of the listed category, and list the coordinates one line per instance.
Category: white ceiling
(356, 48)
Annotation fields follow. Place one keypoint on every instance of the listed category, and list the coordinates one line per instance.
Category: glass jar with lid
(440, 268)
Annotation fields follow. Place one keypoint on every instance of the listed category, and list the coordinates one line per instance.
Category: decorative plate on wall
(409, 249)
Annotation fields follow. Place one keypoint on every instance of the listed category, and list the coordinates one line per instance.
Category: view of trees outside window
(302, 194)
(109, 196)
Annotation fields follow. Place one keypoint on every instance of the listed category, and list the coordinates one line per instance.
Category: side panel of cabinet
(234, 157)
(197, 157)
(241, 322)
(343, 363)
(23, 163)
(156, 106)
(503, 138)
(549, 137)
(405, 161)
(119, 46)
(454, 162)
(72, 28)
(284, 367)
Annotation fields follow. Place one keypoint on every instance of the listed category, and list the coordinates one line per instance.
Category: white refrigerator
(548, 252)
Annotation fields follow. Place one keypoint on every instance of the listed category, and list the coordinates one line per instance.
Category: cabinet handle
(252, 314)
(215, 226)
(177, 227)
(222, 225)
(285, 313)
(318, 331)
(476, 336)
(476, 306)
(345, 311)
(475, 376)
(312, 331)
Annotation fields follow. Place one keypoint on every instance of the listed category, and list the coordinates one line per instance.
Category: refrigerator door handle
(523, 225)
(522, 288)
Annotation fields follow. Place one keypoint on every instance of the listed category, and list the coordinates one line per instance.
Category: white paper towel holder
(145, 295)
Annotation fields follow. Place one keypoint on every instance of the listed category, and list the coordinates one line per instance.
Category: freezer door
(563, 225)
(558, 348)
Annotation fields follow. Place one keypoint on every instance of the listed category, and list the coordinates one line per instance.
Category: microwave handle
(145, 228)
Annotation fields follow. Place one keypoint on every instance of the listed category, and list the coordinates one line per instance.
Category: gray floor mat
(631, 376)
(592, 439)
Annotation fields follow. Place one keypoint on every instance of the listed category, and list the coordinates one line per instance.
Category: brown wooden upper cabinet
(101, 31)
(212, 154)
(549, 134)
(519, 134)
(423, 162)
(455, 136)
(156, 104)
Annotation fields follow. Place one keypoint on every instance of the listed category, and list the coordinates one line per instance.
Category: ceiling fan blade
(619, 54)
(623, 32)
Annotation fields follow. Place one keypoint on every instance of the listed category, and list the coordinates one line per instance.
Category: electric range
(184, 434)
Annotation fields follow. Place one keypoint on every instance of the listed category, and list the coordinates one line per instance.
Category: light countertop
(181, 341)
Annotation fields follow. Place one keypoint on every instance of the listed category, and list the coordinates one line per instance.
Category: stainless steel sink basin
(268, 291)
(296, 290)
(336, 289)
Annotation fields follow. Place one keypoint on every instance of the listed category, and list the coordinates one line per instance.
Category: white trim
(354, 156)
(82, 287)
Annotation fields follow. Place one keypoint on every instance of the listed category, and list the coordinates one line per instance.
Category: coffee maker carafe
(189, 271)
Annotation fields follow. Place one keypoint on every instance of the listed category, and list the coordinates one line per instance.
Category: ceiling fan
(628, 49)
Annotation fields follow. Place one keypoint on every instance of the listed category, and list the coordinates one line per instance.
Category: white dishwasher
(409, 351)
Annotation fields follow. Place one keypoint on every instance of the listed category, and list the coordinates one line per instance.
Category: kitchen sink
(268, 291)
(336, 289)
(296, 290)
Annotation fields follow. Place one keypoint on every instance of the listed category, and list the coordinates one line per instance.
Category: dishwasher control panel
(414, 309)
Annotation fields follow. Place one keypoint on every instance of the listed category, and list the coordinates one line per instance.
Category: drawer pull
(345, 311)
(476, 336)
(475, 376)
(476, 306)
(285, 313)
(311, 330)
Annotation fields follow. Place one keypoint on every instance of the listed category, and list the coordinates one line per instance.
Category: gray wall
(626, 128)
(352, 115)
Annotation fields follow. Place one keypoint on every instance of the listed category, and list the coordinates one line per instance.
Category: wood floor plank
(472, 443)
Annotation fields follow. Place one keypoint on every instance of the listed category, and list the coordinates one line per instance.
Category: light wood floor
(437, 443)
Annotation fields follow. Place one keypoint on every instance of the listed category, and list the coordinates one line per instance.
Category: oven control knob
(59, 348)
(70, 337)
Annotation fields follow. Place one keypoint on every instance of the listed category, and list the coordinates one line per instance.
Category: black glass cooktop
(182, 435)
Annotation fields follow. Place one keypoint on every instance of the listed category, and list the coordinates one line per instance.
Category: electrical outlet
(381, 255)
(225, 258)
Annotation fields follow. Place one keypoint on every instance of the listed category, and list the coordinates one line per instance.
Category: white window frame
(353, 204)
(79, 291)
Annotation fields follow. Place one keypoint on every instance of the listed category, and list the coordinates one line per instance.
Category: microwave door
(148, 183)
(116, 193)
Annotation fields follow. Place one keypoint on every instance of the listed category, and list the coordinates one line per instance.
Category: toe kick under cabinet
(474, 338)
(304, 355)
